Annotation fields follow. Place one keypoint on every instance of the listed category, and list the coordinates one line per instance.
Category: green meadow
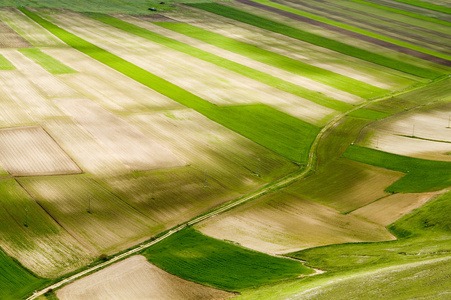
(212, 262)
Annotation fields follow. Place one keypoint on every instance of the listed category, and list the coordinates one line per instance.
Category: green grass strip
(354, 29)
(402, 12)
(316, 40)
(327, 77)
(6, 64)
(278, 83)
(422, 175)
(16, 282)
(369, 114)
(427, 5)
(277, 131)
(199, 258)
(49, 63)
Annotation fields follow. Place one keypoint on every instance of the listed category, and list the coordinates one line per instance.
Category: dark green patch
(49, 63)
(368, 114)
(317, 40)
(193, 256)
(422, 175)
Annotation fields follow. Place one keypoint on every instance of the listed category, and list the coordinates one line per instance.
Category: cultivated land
(211, 136)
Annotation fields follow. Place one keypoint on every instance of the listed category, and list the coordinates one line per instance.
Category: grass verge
(193, 256)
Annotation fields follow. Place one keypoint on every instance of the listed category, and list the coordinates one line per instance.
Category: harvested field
(280, 223)
(10, 39)
(136, 278)
(128, 144)
(29, 30)
(389, 209)
(96, 217)
(42, 246)
(30, 151)
(345, 185)
(49, 85)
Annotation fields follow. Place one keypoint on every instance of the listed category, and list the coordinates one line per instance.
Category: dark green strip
(316, 40)
(427, 5)
(277, 131)
(225, 63)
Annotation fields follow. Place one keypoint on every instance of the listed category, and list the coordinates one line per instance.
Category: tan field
(31, 151)
(204, 79)
(428, 126)
(128, 143)
(276, 72)
(28, 29)
(281, 223)
(10, 39)
(136, 278)
(44, 82)
(305, 52)
(389, 209)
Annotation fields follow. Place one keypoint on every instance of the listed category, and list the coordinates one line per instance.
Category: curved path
(271, 187)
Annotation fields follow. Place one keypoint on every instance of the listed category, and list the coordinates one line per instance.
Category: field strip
(310, 93)
(427, 5)
(405, 13)
(5, 64)
(352, 31)
(10, 39)
(276, 60)
(328, 43)
(271, 187)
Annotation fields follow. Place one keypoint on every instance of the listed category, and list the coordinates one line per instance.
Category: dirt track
(362, 37)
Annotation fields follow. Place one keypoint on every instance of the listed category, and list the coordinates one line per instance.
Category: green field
(282, 62)
(283, 134)
(16, 282)
(5, 64)
(49, 63)
(427, 5)
(422, 175)
(212, 262)
(317, 40)
(233, 66)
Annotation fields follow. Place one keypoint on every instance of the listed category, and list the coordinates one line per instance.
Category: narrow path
(271, 187)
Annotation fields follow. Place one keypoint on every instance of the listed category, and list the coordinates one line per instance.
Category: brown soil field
(281, 223)
(136, 278)
(359, 36)
(345, 185)
(30, 151)
(28, 29)
(128, 143)
(428, 125)
(96, 217)
(389, 209)
(10, 39)
(47, 84)
(287, 76)
(305, 52)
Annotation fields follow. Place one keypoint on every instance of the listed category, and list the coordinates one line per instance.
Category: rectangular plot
(10, 39)
(30, 151)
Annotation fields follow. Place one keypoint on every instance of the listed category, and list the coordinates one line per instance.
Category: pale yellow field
(281, 223)
(204, 79)
(29, 29)
(126, 142)
(136, 278)
(432, 138)
(305, 52)
(28, 151)
(387, 210)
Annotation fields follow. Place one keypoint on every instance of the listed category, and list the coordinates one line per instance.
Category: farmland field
(250, 149)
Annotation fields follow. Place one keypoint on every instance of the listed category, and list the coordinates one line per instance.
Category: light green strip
(353, 29)
(49, 63)
(6, 64)
(427, 5)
